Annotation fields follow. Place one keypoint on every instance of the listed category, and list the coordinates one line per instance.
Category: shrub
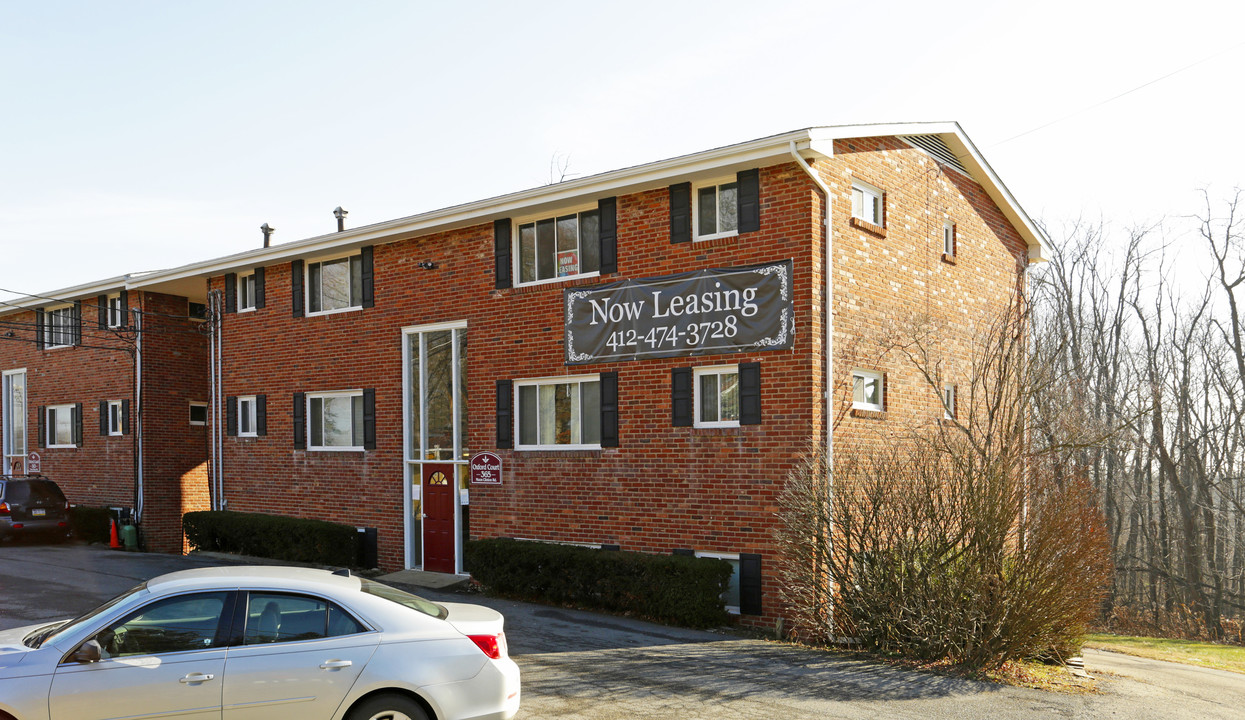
(91, 523)
(674, 589)
(271, 536)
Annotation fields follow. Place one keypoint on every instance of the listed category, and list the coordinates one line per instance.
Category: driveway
(585, 665)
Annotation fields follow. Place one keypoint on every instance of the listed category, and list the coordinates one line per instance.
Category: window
(948, 239)
(562, 413)
(60, 327)
(277, 617)
(61, 425)
(197, 311)
(717, 396)
(115, 417)
(559, 247)
(246, 292)
(116, 315)
(867, 204)
(335, 420)
(247, 419)
(717, 210)
(198, 413)
(334, 284)
(176, 624)
(13, 411)
(731, 596)
(948, 402)
(868, 389)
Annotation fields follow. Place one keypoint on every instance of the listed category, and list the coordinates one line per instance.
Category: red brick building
(646, 351)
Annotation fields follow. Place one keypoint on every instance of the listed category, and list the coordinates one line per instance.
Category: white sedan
(262, 643)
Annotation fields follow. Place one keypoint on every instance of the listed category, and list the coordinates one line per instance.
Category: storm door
(14, 409)
(435, 412)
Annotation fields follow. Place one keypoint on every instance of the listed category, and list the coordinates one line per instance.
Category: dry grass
(1189, 652)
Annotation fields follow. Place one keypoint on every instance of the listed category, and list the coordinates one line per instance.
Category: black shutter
(103, 417)
(369, 419)
(77, 322)
(124, 320)
(77, 424)
(501, 252)
(261, 415)
(749, 584)
(750, 393)
(296, 287)
(609, 409)
(505, 414)
(259, 288)
(39, 330)
(749, 209)
(231, 292)
(885, 391)
(102, 304)
(681, 409)
(231, 415)
(607, 210)
(686, 552)
(125, 417)
(368, 276)
(41, 423)
(300, 421)
(681, 213)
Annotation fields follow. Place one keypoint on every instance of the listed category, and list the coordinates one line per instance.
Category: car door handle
(194, 678)
(334, 664)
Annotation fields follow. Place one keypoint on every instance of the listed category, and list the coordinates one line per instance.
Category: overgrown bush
(271, 536)
(673, 589)
(91, 524)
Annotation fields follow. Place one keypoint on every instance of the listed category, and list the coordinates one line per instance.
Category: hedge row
(674, 589)
(91, 524)
(271, 536)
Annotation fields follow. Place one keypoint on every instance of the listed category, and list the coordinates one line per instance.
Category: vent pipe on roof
(341, 217)
(268, 231)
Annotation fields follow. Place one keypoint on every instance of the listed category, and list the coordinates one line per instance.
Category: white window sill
(866, 407)
(61, 447)
(557, 447)
(721, 424)
(563, 278)
(338, 311)
(246, 309)
(717, 236)
(344, 448)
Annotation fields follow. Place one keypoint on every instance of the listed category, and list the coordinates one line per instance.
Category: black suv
(32, 505)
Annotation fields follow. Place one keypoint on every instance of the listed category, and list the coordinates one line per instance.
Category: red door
(438, 506)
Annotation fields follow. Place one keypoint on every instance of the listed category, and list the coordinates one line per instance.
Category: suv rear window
(404, 599)
(22, 492)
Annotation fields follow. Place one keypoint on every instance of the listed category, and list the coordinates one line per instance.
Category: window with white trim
(717, 396)
(198, 413)
(716, 209)
(559, 413)
(948, 402)
(948, 239)
(246, 292)
(333, 284)
(335, 420)
(59, 326)
(867, 390)
(731, 596)
(116, 317)
(60, 426)
(867, 203)
(558, 247)
(115, 417)
(247, 417)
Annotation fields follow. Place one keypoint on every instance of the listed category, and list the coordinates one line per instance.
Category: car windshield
(52, 633)
(23, 492)
(404, 599)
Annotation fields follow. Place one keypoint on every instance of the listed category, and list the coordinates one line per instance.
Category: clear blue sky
(144, 135)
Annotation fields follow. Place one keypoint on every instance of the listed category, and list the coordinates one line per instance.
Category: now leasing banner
(697, 313)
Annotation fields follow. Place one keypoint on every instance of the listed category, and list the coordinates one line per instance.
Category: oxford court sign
(697, 313)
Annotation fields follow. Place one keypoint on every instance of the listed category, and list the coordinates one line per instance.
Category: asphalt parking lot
(585, 665)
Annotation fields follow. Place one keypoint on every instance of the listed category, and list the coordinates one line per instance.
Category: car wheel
(388, 707)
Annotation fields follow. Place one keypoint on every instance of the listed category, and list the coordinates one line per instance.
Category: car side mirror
(87, 652)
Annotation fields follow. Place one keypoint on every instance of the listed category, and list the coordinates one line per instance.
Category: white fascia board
(65, 295)
(772, 150)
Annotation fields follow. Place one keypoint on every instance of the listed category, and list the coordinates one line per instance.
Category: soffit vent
(934, 145)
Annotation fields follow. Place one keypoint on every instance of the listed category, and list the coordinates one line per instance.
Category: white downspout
(828, 214)
(138, 412)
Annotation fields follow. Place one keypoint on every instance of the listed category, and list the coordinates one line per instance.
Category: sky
(142, 135)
